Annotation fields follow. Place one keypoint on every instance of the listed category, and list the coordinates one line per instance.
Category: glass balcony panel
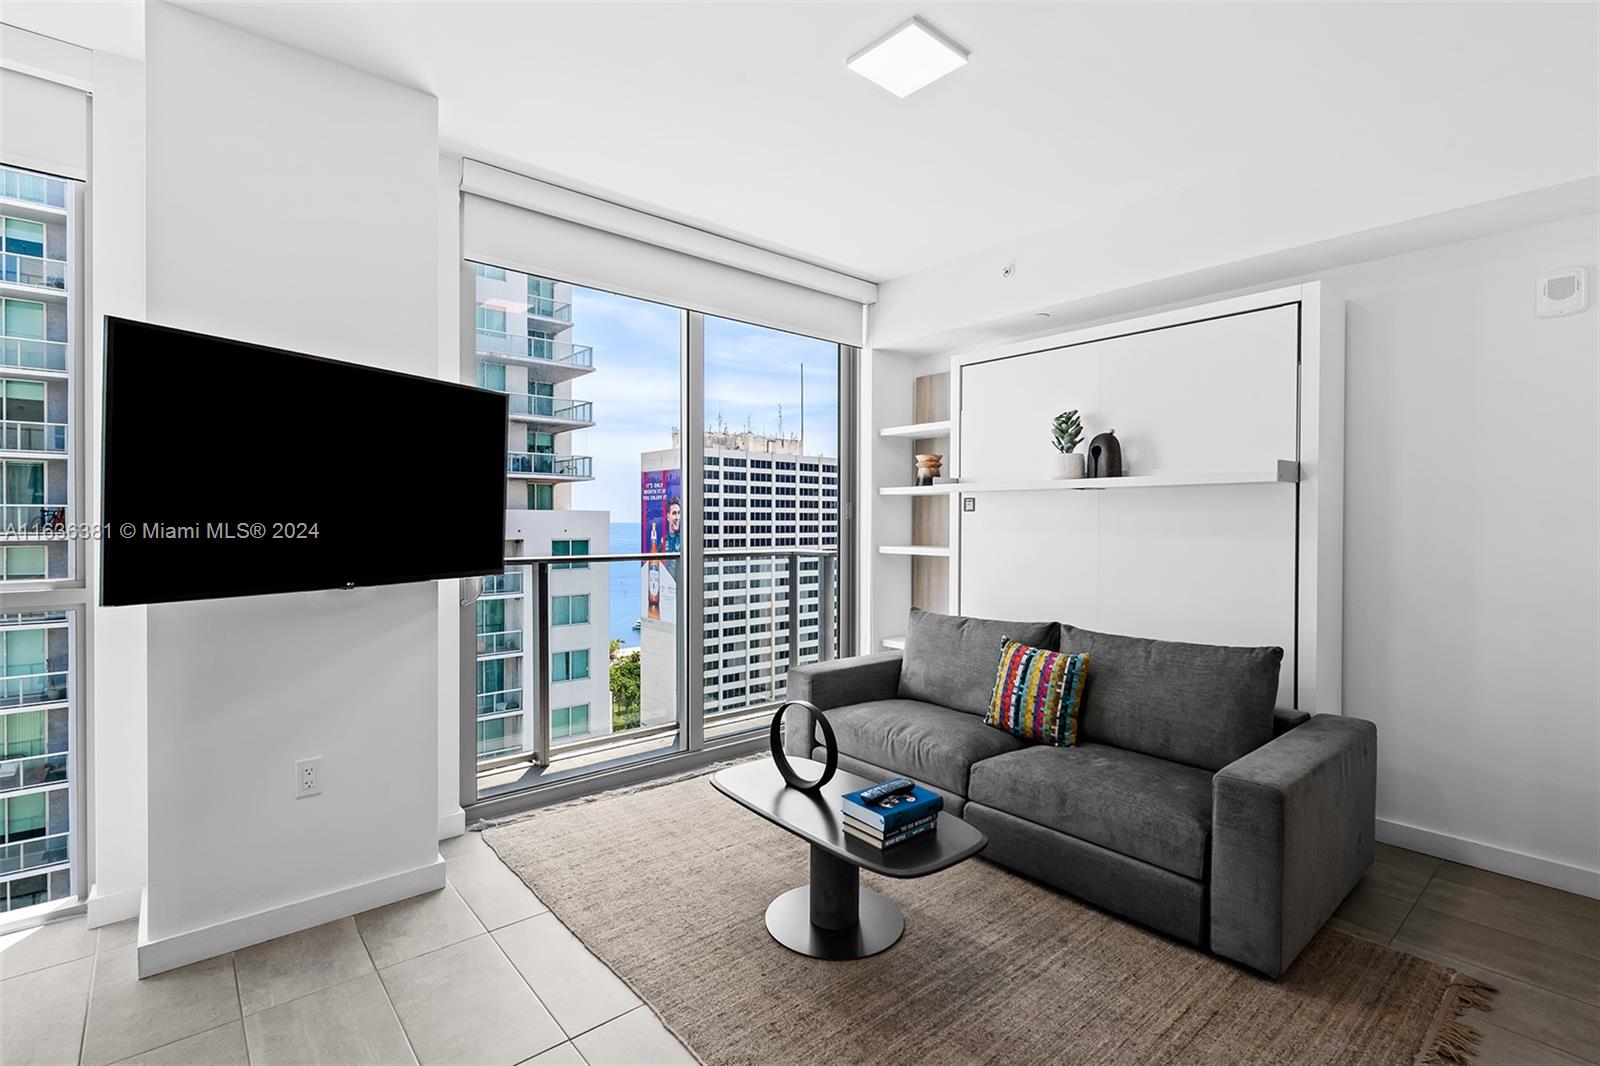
(24, 689)
(27, 518)
(506, 584)
(33, 436)
(33, 772)
(28, 354)
(500, 643)
(551, 407)
(33, 270)
(498, 702)
(537, 463)
(517, 346)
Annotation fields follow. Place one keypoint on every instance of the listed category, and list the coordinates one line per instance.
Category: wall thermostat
(1564, 292)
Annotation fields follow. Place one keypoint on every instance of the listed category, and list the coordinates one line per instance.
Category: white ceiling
(741, 118)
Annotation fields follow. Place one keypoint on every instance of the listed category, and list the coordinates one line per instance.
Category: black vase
(1105, 455)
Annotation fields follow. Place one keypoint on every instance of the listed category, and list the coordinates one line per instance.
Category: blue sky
(751, 372)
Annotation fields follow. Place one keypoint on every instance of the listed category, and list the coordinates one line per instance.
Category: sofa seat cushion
(952, 660)
(1136, 805)
(927, 743)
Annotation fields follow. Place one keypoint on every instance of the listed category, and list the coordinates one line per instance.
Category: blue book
(891, 812)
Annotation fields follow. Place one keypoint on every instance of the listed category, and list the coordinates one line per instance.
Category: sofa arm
(836, 683)
(1292, 833)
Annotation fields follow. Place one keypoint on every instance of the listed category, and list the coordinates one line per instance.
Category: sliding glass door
(646, 607)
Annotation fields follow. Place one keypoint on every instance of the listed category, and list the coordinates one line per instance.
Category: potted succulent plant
(1065, 433)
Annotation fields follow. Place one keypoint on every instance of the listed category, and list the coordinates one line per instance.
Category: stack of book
(891, 813)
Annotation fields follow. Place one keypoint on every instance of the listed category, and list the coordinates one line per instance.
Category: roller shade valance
(44, 125)
(536, 228)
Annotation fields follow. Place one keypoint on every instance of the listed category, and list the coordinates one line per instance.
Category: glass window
(491, 319)
(21, 401)
(24, 563)
(492, 376)
(24, 816)
(541, 497)
(24, 237)
(23, 483)
(541, 443)
(24, 318)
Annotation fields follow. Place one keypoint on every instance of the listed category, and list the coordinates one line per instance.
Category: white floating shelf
(931, 551)
(918, 430)
(921, 490)
(895, 643)
(1287, 472)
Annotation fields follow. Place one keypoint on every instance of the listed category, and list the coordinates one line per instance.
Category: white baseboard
(168, 953)
(452, 824)
(1516, 864)
(106, 908)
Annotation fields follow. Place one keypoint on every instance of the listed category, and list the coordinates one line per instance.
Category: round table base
(878, 925)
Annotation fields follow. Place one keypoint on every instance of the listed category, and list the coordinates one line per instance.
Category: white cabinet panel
(1007, 407)
(1031, 556)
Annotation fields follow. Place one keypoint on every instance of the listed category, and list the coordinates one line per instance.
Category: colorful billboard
(660, 531)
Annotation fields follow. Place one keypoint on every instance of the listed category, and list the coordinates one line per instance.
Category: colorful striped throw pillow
(1038, 693)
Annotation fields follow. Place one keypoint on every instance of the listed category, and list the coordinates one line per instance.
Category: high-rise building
(35, 318)
(35, 759)
(36, 712)
(761, 492)
(525, 349)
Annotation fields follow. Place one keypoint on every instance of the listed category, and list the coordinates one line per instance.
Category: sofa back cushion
(1198, 704)
(951, 660)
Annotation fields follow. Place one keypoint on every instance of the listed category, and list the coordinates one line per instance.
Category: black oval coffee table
(833, 917)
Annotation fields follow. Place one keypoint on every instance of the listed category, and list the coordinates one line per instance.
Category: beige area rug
(668, 886)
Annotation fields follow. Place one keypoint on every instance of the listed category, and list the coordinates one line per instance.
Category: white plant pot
(1068, 465)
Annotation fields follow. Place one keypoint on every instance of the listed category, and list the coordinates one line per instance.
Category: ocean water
(624, 585)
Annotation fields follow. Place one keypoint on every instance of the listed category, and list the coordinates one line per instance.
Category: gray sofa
(1189, 804)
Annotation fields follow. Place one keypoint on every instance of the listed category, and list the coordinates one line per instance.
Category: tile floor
(480, 972)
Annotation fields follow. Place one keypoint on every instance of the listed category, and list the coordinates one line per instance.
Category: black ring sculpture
(790, 778)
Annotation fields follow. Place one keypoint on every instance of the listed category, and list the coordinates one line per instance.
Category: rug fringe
(1451, 1041)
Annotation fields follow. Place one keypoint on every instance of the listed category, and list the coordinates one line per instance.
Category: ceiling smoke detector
(908, 57)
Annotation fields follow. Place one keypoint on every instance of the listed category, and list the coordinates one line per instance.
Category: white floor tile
(467, 1003)
(560, 1055)
(222, 1046)
(350, 1024)
(41, 1014)
(575, 986)
(635, 1039)
(128, 1016)
(299, 964)
(413, 926)
(45, 945)
(496, 895)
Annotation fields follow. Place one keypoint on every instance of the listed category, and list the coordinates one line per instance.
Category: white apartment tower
(524, 349)
(760, 492)
(36, 712)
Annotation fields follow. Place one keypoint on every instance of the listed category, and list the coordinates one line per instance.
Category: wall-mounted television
(232, 469)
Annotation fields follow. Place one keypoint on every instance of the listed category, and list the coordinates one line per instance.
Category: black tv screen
(231, 469)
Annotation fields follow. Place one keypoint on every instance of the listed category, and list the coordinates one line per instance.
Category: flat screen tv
(231, 469)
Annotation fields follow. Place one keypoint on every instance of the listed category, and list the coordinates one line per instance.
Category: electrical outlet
(308, 778)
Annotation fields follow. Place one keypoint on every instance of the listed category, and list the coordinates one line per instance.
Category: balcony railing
(31, 854)
(506, 699)
(500, 643)
(33, 436)
(516, 346)
(25, 518)
(551, 407)
(503, 584)
(32, 188)
(29, 354)
(25, 690)
(548, 307)
(549, 465)
(33, 771)
(36, 271)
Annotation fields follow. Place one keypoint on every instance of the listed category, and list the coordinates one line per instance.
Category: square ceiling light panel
(910, 56)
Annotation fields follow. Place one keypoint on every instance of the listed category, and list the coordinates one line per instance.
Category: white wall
(291, 202)
(1471, 597)
(117, 660)
(1471, 606)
